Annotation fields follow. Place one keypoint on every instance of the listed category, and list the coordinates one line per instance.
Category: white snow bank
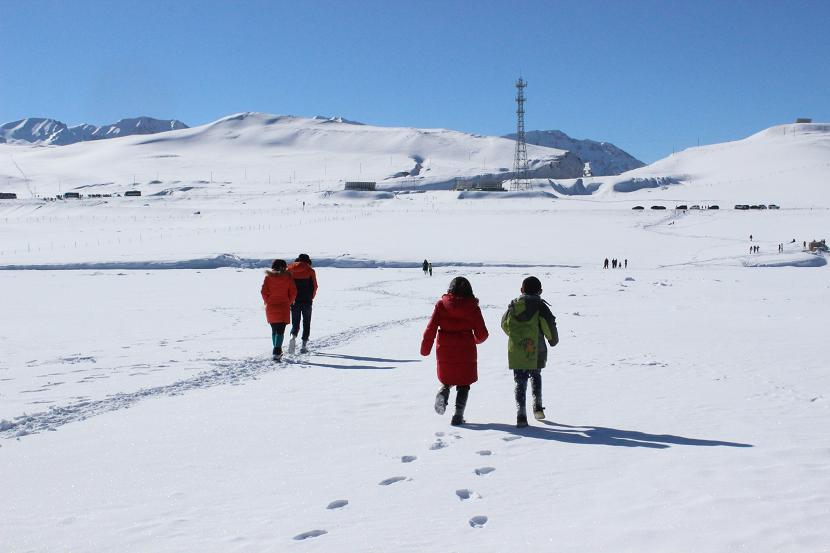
(358, 195)
(484, 195)
(795, 259)
(791, 260)
(639, 183)
(233, 261)
(575, 188)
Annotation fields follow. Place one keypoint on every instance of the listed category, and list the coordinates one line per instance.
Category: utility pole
(520, 169)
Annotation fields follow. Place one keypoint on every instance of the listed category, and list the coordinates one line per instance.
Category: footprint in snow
(511, 438)
(338, 504)
(408, 458)
(484, 452)
(439, 444)
(478, 521)
(310, 534)
(391, 480)
(484, 470)
(466, 494)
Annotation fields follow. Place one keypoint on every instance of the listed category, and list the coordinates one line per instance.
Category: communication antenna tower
(520, 179)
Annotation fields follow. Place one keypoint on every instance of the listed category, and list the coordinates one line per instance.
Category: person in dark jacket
(306, 281)
(528, 323)
(425, 266)
(278, 292)
(459, 325)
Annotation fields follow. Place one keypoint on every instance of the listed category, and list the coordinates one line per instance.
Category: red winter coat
(278, 292)
(460, 326)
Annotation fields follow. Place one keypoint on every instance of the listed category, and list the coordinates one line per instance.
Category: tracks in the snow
(222, 372)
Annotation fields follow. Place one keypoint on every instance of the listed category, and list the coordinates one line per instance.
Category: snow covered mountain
(257, 152)
(42, 131)
(604, 157)
(786, 164)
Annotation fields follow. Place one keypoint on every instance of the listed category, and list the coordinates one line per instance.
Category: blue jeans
(299, 310)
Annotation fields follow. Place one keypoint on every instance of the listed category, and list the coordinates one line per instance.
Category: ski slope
(686, 402)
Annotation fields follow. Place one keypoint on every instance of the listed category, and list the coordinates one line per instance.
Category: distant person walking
(305, 278)
(459, 326)
(750, 238)
(425, 266)
(528, 323)
(605, 266)
(278, 292)
(430, 269)
(626, 264)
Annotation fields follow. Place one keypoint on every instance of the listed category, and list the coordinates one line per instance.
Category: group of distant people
(616, 264)
(288, 292)
(757, 248)
(427, 267)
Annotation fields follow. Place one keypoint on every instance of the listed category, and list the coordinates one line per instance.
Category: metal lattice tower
(520, 169)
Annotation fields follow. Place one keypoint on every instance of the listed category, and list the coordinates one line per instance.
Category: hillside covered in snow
(261, 152)
(786, 164)
(604, 157)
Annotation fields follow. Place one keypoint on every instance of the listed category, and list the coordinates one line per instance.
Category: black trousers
(278, 329)
(521, 377)
(299, 310)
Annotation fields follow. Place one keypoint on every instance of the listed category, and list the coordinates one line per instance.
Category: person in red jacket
(278, 292)
(306, 281)
(458, 322)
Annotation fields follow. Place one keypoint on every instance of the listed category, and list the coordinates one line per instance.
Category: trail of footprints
(464, 494)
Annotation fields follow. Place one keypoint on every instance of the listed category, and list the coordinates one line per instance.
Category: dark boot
(441, 399)
(536, 389)
(460, 403)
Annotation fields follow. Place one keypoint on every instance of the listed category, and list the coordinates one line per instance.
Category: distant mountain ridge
(37, 130)
(604, 157)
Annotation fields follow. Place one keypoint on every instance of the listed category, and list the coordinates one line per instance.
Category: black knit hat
(304, 258)
(531, 285)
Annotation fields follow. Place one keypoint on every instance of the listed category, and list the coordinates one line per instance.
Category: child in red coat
(458, 322)
(278, 292)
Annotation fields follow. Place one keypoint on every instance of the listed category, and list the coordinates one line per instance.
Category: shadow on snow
(599, 435)
(363, 358)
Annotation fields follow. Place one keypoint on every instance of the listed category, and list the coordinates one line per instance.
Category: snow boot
(304, 347)
(292, 344)
(461, 393)
(441, 399)
(521, 418)
(539, 412)
(277, 353)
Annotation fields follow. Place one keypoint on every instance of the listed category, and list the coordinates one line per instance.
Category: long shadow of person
(598, 435)
(364, 358)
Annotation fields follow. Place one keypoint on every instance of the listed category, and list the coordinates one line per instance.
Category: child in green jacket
(528, 323)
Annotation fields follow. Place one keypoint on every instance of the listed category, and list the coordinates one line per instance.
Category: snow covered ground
(687, 401)
(685, 413)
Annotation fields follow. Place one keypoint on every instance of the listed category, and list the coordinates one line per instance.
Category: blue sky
(649, 76)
